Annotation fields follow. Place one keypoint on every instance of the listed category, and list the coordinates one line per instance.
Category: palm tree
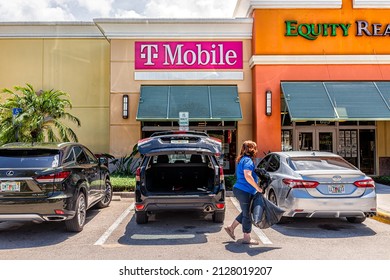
(40, 117)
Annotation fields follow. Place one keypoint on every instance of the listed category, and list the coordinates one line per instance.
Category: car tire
(106, 199)
(141, 217)
(76, 224)
(356, 220)
(219, 217)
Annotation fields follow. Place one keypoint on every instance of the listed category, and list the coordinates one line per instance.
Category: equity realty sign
(311, 31)
(188, 55)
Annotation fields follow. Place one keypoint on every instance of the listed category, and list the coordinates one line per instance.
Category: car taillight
(300, 184)
(221, 175)
(53, 178)
(138, 174)
(369, 183)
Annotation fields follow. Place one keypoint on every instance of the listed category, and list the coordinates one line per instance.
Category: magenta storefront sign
(188, 55)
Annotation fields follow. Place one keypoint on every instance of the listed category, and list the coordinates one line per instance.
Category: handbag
(264, 213)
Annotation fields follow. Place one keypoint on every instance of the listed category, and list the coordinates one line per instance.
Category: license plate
(179, 141)
(336, 189)
(10, 187)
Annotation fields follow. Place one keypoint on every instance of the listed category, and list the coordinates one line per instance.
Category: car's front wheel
(77, 223)
(107, 197)
(356, 220)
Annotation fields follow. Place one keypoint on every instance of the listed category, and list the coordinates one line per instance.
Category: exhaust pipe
(208, 209)
(370, 214)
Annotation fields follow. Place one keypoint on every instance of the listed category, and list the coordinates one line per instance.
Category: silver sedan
(319, 184)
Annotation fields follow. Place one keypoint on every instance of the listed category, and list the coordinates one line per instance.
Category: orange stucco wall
(270, 28)
(267, 129)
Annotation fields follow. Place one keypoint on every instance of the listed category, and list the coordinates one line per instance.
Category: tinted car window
(81, 158)
(69, 157)
(90, 156)
(273, 164)
(270, 163)
(320, 163)
(37, 158)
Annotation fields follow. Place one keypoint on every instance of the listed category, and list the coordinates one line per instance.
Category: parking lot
(112, 233)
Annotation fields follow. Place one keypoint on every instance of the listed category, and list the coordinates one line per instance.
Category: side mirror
(103, 161)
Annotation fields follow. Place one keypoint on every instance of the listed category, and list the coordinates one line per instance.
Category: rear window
(29, 158)
(320, 163)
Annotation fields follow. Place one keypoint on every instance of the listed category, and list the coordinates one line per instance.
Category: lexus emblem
(9, 173)
(337, 178)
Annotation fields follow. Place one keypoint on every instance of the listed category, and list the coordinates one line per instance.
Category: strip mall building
(291, 75)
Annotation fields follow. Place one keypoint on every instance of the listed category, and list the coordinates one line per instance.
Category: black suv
(51, 182)
(179, 171)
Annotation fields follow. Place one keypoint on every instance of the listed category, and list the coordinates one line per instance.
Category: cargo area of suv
(179, 171)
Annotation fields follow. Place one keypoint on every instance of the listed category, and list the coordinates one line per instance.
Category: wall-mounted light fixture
(125, 106)
(268, 103)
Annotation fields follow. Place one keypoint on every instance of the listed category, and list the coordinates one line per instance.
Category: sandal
(249, 242)
(230, 232)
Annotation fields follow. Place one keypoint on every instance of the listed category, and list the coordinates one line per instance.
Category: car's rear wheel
(77, 223)
(356, 220)
(141, 217)
(106, 199)
(272, 197)
(219, 217)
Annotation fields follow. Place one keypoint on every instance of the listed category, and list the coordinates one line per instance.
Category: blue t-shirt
(245, 163)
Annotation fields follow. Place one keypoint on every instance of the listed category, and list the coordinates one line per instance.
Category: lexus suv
(44, 182)
(179, 171)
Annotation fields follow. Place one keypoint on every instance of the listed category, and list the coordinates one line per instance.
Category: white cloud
(33, 10)
(190, 8)
(101, 7)
(87, 10)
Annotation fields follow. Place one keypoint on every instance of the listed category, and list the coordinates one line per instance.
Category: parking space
(112, 233)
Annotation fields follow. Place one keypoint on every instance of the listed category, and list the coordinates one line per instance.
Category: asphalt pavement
(383, 203)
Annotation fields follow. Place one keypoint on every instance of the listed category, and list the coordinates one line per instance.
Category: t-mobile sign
(188, 55)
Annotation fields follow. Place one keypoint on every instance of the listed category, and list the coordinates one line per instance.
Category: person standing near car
(244, 190)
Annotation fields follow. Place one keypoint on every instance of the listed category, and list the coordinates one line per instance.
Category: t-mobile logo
(149, 52)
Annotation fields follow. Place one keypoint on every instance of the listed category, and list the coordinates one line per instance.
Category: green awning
(335, 101)
(201, 102)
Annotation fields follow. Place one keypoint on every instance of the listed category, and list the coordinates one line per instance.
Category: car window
(90, 156)
(320, 163)
(273, 163)
(81, 158)
(69, 157)
(29, 158)
(264, 162)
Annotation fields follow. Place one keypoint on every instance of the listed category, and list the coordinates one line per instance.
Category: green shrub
(230, 180)
(385, 180)
(123, 183)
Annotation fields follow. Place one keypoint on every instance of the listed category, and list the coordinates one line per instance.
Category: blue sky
(87, 10)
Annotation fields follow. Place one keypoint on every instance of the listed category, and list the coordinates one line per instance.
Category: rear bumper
(34, 210)
(205, 203)
(331, 207)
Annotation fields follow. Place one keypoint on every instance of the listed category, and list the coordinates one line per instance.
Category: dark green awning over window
(334, 101)
(201, 102)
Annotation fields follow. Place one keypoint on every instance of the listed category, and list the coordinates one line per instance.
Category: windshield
(29, 158)
(320, 163)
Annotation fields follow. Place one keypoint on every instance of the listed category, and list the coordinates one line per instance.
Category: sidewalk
(383, 203)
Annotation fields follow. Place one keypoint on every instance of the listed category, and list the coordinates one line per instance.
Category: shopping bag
(270, 215)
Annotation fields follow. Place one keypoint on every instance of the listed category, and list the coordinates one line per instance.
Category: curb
(382, 216)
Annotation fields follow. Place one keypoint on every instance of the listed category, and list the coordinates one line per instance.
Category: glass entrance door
(316, 139)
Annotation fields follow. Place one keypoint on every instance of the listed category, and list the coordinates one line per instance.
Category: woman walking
(244, 189)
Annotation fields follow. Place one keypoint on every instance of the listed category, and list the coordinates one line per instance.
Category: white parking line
(111, 229)
(263, 238)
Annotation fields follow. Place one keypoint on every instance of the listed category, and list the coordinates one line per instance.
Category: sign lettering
(311, 31)
(188, 55)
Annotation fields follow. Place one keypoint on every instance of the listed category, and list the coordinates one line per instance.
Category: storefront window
(287, 140)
